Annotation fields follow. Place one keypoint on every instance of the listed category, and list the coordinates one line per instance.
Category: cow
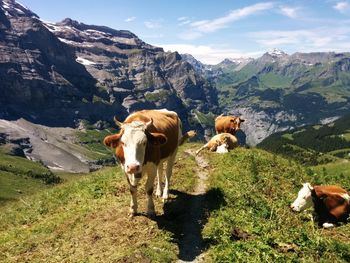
(220, 143)
(147, 139)
(227, 124)
(331, 203)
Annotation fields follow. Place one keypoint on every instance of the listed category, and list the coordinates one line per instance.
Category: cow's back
(164, 121)
(330, 202)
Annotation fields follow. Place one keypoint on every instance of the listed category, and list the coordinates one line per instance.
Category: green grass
(273, 80)
(20, 177)
(258, 188)
(14, 187)
(86, 220)
(91, 140)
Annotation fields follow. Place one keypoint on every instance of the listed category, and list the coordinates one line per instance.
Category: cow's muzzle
(133, 169)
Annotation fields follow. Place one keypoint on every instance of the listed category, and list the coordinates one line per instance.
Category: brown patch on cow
(330, 206)
(228, 124)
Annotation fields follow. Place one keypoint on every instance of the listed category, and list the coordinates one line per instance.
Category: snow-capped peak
(15, 9)
(276, 52)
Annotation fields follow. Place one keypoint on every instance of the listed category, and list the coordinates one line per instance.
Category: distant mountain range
(62, 74)
(278, 91)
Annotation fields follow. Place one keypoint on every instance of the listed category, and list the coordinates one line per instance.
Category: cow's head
(235, 124)
(304, 199)
(134, 138)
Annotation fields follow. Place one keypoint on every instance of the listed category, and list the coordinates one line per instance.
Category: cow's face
(304, 199)
(134, 139)
(235, 124)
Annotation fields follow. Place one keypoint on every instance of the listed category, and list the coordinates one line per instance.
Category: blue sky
(213, 30)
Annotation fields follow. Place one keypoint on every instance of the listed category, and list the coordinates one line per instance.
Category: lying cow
(331, 203)
(220, 143)
(227, 124)
(147, 139)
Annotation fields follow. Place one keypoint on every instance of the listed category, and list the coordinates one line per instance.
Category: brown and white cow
(220, 143)
(146, 140)
(331, 203)
(228, 124)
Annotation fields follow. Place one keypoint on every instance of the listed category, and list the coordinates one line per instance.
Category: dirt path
(192, 245)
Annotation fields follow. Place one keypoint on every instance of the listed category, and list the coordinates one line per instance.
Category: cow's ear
(112, 140)
(156, 139)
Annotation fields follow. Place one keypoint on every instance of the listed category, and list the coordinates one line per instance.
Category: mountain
(278, 91)
(210, 71)
(88, 72)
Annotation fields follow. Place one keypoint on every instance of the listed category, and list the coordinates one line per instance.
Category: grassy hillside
(247, 218)
(313, 145)
(20, 177)
(256, 224)
(87, 220)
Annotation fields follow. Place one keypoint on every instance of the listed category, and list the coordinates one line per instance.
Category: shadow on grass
(185, 216)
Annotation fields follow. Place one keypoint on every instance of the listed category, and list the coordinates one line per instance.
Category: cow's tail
(186, 136)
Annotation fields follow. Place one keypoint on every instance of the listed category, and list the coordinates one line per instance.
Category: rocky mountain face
(60, 73)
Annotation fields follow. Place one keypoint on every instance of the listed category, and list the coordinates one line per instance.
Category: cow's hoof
(327, 225)
(151, 214)
(132, 213)
(164, 199)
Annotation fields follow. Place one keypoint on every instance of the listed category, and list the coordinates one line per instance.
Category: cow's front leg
(151, 174)
(133, 202)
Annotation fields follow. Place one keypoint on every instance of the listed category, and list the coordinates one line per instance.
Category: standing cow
(331, 203)
(147, 139)
(227, 124)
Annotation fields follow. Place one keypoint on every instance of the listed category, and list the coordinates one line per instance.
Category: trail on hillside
(186, 215)
(192, 245)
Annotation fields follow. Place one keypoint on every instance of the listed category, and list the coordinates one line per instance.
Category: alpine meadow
(187, 131)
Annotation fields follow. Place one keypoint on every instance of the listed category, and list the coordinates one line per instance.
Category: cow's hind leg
(159, 179)
(169, 171)
(151, 174)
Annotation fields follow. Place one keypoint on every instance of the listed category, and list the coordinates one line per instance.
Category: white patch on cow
(134, 142)
(327, 225)
(223, 148)
(304, 199)
(346, 197)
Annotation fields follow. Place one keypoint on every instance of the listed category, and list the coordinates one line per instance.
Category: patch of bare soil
(53, 146)
(191, 245)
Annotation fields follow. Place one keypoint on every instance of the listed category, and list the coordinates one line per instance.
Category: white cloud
(221, 22)
(182, 18)
(342, 7)
(130, 19)
(316, 39)
(208, 54)
(291, 12)
(152, 24)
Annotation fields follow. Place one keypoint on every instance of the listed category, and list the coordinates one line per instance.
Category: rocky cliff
(60, 73)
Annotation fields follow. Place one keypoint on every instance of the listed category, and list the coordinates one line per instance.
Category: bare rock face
(58, 73)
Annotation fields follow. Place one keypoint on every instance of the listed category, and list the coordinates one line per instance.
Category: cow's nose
(133, 168)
